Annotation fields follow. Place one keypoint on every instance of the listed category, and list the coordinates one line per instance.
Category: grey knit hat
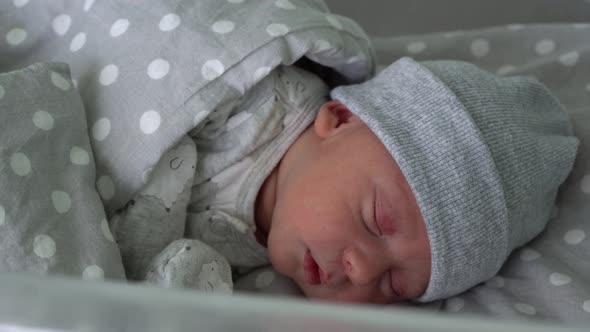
(483, 155)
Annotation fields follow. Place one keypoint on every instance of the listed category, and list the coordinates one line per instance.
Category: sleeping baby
(414, 185)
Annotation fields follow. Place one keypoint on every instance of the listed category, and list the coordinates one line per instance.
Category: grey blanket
(96, 97)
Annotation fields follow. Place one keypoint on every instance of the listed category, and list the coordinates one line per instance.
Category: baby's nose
(363, 268)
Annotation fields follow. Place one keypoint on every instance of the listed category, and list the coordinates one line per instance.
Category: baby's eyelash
(375, 221)
(384, 220)
(368, 227)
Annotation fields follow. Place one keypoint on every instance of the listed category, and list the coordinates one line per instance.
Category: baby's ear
(333, 117)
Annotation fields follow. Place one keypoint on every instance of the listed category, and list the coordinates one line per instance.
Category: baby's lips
(311, 269)
(324, 277)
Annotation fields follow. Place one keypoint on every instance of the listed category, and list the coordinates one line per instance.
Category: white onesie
(195, 216)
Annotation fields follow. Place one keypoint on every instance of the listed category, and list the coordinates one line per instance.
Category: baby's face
(346, 225)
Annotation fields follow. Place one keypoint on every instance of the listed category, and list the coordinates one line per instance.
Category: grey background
(398, 17)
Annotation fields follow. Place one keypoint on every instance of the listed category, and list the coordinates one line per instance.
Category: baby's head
(416, 184)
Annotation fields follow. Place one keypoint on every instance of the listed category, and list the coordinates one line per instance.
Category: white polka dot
(505, 70)
(2, 215)
(223, 26)
(525, 308)
(43, 120)
(582, 25)
(529, 255)
(480, 47)
(261, 72)
(1, 92)
(588, 87)
(585, 184)
(495, 282)
(108, 75)
(101, 129)
(78, 42)
(119, 27)
(93, 272)
(158, 69)
(569, 59)
(355, 59)
(545, 46)
(334, 21)
(559, 279)
(455, 304)
(44, 246)
(515, 27)
(200, 116)
(79, 156)
(277, 29)
(61, 24)
(106, 187)
(235, 1)
(88, 4)
(61, 201)
(416, 47)
(321, 45)
(212, 69)
(20, 3)
(150, 122)
(586, 306)
(264, 279)
(169, 22)
(285, 4)
(60, 81)
(16, 36)
(20, 164)
(574, 236)
(106, 230)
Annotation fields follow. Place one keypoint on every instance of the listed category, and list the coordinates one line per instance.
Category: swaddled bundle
(113, 122)
(237, 149)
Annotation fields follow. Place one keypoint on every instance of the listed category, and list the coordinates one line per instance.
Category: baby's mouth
(311, 269)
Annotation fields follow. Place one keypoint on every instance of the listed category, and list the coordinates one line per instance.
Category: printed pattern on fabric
(148, 74)
(210, 175)
(51, 218)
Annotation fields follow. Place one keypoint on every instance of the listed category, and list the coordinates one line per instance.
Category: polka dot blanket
(148, 74)
(51, 217)
(96, 99)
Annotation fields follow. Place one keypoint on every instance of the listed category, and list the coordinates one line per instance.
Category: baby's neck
(264, 206)
(267, 195)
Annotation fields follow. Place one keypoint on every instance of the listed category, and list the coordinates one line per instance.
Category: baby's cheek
(279, 255)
